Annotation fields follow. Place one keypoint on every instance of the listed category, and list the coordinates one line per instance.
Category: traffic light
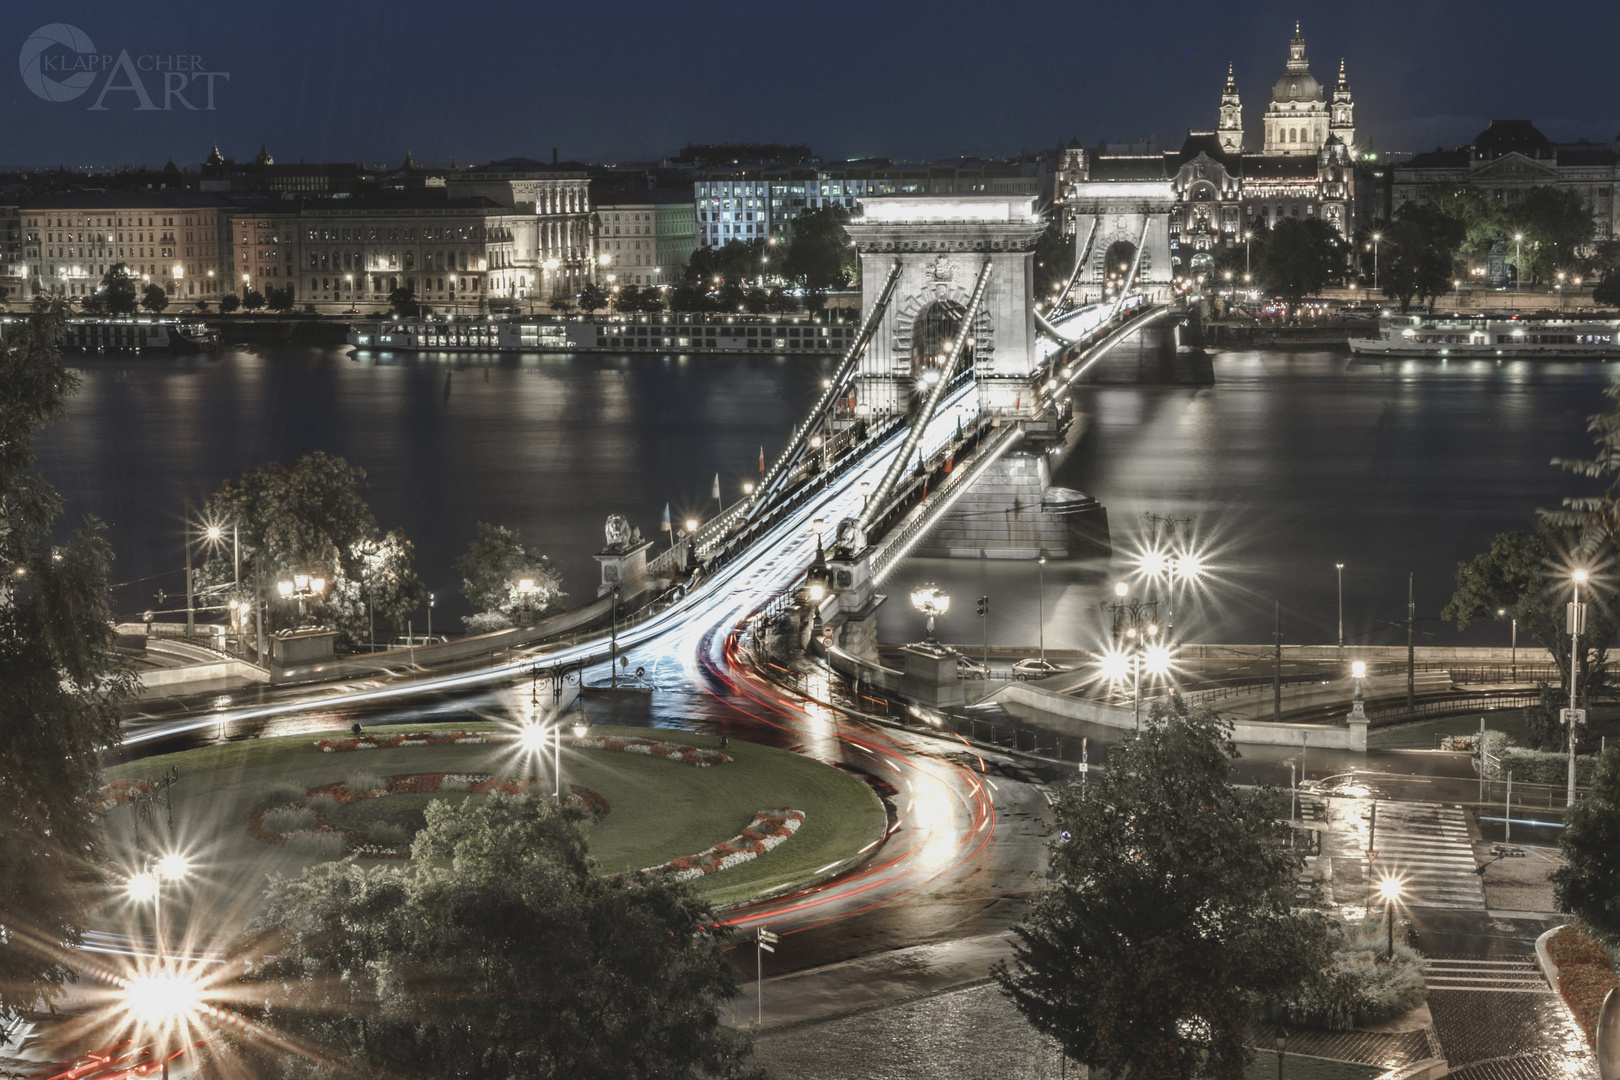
(984, 605)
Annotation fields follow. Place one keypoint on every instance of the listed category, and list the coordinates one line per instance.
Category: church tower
(1296, 120)
(1344, 112)
(1230, 128)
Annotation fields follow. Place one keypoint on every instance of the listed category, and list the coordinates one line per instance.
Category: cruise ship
(661, 332)
(129, 334)
(1491, 336)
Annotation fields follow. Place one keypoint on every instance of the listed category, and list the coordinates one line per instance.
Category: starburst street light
(931, 601)
(1390, 889)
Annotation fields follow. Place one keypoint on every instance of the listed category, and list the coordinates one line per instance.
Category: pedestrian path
(1425, 846)
(1500, 976)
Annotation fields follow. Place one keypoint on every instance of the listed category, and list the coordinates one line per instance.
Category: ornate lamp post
(930, 601)
(303, 587)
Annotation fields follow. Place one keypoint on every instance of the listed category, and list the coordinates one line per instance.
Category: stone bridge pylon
(942, 244)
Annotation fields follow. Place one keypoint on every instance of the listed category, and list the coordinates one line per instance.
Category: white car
(1035, 668)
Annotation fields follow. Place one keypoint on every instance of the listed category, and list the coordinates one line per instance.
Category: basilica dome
(1297, 86)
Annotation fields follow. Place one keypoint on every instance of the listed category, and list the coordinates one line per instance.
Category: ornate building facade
(1221, 191)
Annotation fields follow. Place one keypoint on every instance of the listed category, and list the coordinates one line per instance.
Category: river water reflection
(1291, 462)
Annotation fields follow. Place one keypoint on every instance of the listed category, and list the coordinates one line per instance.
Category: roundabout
(737, 823)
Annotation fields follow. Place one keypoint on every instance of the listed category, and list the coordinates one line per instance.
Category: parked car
(970, 669)
(408, 641)
(1035, 668)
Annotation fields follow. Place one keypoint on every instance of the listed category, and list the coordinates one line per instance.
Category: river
(1292, 462)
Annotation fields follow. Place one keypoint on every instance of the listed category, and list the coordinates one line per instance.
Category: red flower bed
(670, 751)
(769, 829)
(1585, 974)
(118, 792)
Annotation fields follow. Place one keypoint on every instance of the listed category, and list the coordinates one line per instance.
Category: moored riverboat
(128, 334)
(1493, 336)
(659, 332)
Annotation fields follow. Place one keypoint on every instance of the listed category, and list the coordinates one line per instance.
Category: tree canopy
(491, 568)
(60, 681)
(497, 951)
(1173, 913)
(1527, 576)
(402, 302)
(1297, 257)
(1588, 883)
(118, 293)
(311, 518)
(154, 299)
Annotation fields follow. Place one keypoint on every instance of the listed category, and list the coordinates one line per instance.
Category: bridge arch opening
(1117, 262)
(933, 333)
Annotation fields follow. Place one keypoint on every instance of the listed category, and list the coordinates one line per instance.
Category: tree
(691, 297)
(1588, 883)
(1597, 517)
(202, 306)
(522, 960)
(279, 299)
(592, 299)
(819, 256)
(491, 568)
(1554, 222)
(118, 290)
(154, 299)
(402, 301)
(1418, 258)
(757, 301)
(1526, 576)
(1291, 260)
(1608, 290)
(228, 303)
(310, 518)
(562, 302)
(253, 301)
(60, 682)
(1172, 914)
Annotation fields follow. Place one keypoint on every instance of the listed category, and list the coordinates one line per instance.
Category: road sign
(768, 938)
(1371, 855)
(827, 636)
(1565, 714)
(767, 948)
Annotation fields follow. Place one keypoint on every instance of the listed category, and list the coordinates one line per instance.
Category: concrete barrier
(1059, 713)
(1427, 1069)
(172, 677)
(1422, 654)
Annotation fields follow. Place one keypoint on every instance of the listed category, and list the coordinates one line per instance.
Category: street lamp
(1137, 622)
(1513, 655)
(525, 588)
(929, 600)
(1040, 624)
(1390, 890)
(1377, 236)
(303, 587)
(1577, 623)
(1518, 262)
(1339, 566)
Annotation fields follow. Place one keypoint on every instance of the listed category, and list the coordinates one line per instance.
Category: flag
(714, 492)
(761, 459)
(664, 526)
(948, 459)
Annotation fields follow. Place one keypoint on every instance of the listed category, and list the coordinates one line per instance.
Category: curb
(1545, 961)
(1429, 1069)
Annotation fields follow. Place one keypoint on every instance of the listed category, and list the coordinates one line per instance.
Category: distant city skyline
(634, 81)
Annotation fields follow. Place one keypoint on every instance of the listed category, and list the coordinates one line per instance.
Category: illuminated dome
(1297, 86)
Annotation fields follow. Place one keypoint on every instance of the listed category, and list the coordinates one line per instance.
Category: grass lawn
(658, 809)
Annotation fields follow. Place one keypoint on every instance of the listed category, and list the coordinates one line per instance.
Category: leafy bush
(1574, 944)
(1585, 973)
(322, 805)
(364, 781)
(389, 833)
(328, 845)
(282, 792)
(288, 819)
(1360, 987)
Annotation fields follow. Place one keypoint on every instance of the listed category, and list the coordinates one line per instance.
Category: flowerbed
(670, 751)
(769, 829)
(1585, 974)
(359, 842)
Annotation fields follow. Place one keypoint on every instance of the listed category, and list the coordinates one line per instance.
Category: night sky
(613, 80)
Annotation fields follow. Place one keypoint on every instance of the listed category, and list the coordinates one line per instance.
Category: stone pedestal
(302, 646)
(931, 676)
(1357, 720)
(625, 567)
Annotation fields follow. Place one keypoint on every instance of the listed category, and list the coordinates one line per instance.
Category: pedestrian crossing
(1520, 976)
(1427, 848)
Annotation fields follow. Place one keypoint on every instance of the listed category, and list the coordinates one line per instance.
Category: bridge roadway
(964, 844)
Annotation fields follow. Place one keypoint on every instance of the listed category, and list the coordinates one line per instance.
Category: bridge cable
(902, 459)
(771, 482)
(1082, 255)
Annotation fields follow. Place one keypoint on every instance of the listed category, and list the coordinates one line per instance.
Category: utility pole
(1276, 678)
(1411, 652)
(191, 601)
